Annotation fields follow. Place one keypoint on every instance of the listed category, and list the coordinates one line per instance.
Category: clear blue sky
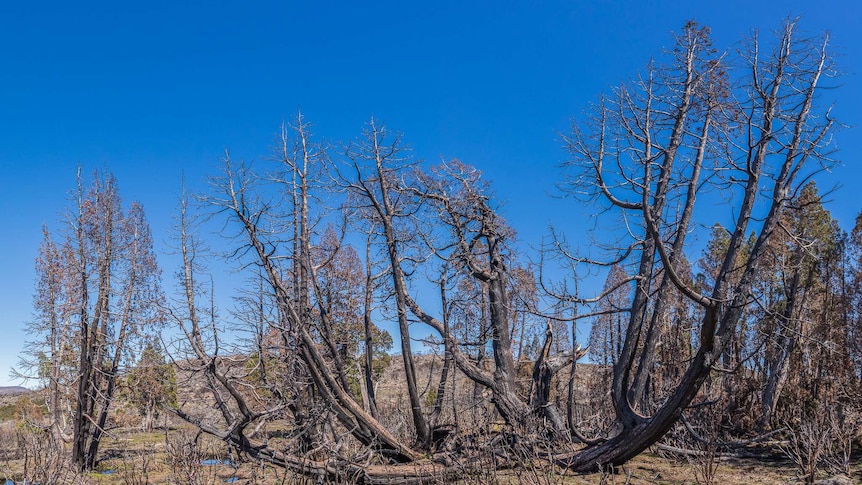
(151, 90)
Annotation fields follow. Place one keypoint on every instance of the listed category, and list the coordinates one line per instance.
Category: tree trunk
(637, 436)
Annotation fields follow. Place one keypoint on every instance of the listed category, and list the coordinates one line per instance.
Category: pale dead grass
(128, 451)
(124, 451)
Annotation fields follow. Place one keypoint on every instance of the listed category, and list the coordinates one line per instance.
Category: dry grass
(134, 457)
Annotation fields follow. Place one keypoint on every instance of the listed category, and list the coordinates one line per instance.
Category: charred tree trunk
(369, 342)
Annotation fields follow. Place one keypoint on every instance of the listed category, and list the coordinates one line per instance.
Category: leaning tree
(740, 135)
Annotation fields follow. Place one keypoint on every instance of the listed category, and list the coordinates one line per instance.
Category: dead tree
(645, 155)
(49, 357)
(99, 291)
(478, 248)
(236, 196)
(473, 239)
(376, 163)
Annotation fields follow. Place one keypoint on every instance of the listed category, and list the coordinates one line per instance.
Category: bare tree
(474, 241)
(50, 358)
(606, 334)
(308, 335)
(98, 292)
(645, 154)
(377, 163)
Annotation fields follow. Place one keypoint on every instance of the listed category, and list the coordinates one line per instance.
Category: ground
(176, 453)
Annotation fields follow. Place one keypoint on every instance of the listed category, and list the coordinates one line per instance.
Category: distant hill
(13, 390)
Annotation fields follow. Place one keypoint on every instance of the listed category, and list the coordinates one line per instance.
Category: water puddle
(216, 461)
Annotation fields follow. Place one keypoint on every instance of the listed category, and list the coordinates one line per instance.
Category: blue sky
(153, 90)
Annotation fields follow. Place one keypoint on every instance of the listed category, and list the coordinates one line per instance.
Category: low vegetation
(177, 453)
